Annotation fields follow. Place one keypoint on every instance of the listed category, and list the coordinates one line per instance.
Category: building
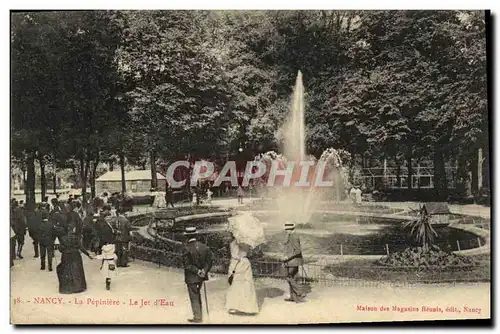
(137, 181)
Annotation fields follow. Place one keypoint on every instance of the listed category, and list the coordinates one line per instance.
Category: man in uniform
(197, 261)
(293, 259)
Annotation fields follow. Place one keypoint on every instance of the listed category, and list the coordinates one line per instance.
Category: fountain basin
(329, 233)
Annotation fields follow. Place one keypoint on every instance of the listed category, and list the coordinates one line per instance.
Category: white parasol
(247, 229)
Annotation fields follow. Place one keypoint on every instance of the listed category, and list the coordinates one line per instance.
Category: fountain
(294, 143)
(298, 203)
(331, 229)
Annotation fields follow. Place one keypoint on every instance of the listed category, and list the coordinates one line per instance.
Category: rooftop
(135, 175)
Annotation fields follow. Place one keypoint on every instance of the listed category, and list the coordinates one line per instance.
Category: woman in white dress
(241, 296)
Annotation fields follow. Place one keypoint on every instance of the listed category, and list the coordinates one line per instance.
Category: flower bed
(425, 258)
(477, 271)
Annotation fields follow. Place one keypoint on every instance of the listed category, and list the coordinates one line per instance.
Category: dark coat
(46, 233)
(88, 224)
(70, 271)
(34, 219)
(18, 221)
(196, 256)
(122, 228)
(104, 231)
(59, 218)
(293, 251)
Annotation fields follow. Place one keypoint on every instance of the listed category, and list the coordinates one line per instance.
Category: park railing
(367, 274)
(372, 274)
(381, 249)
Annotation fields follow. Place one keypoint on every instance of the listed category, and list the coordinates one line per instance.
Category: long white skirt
(241, 295)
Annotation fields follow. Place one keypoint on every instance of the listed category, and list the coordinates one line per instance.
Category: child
(108, 265)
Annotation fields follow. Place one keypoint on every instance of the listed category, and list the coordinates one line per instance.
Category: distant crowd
(99, 226)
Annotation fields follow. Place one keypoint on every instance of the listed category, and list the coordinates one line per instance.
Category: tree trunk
(479, 169)
(409, 157)
(486, 169)
(93, 177)
(474, 171)
(154, 181)
(84, 180)
(82, 169)
(398, 173)
(440, 183)
(43, 180)
(462, 176)
(25, 187)
(111, 165)
(122, 168)
(54, 180)
(30, 180)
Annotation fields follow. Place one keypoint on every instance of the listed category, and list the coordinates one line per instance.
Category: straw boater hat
(289, 226)
(190, 231)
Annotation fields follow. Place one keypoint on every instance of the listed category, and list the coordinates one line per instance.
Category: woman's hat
(289, 226)
(190, 231)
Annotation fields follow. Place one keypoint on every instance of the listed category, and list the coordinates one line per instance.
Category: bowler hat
(289, 226)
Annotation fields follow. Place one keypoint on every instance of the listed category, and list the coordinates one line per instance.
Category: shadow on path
(268, 293)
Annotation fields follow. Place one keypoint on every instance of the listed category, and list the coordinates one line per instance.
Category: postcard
(249, 167)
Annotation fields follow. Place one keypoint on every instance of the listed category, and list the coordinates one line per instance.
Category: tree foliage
(158, 85)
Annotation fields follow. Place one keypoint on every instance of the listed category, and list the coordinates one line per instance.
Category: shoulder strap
(234, 270)
(111, 227)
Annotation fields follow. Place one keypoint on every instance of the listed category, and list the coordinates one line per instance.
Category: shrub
(420, 257)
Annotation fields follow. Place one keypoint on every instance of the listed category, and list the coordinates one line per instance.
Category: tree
(179, 96)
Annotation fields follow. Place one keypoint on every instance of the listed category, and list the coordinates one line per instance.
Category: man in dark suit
(122, 228)
(104, 229)
(293, 259)
(169, 196)
(18, 223)
(197, 260)
(46, 239)
(34, 219)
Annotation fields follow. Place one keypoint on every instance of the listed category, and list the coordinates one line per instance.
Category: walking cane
(206, 299)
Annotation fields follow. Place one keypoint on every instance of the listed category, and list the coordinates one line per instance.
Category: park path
(143, 280)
